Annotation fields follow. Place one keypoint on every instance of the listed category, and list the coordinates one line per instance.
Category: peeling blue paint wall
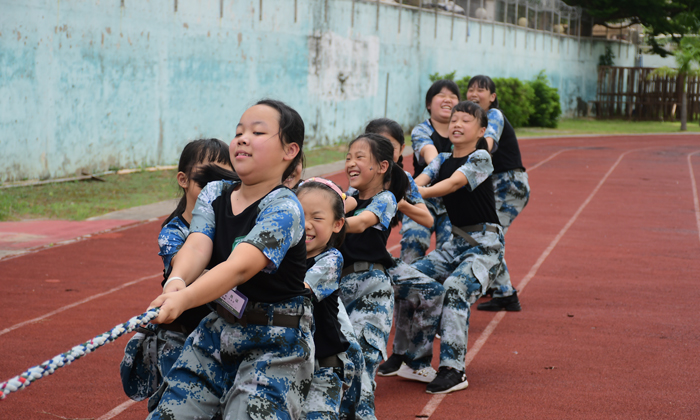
(94, 84)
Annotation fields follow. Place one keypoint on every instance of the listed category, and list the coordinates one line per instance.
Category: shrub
(546, 103)
(515, 99)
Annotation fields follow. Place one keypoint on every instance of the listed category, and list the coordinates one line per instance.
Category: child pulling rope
(48, 367)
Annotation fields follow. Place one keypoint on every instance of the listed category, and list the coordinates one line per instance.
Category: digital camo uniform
(417, 311)
(152, 351)
(415, 238)
(323, 400)
(369, 300)
(512, 193)
(252, 371)
(463, 269)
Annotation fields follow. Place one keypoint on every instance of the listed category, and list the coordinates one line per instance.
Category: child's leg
(462, 288)
(512, 193)
(351, 396)
(276, 364)
(169, 347)
(443, 229)
(194, 385)
(369, 300)
(415, 239)
(323, 400)
(419, 305)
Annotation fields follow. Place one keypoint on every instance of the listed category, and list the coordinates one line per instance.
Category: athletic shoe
(391, 366)
(427, 374)
(447, 380)
(510, 303)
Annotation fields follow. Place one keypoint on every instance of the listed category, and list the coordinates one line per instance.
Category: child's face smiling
(481, 96)
(360, 166)
(257, 146)
(464, 129)
(319, 219)
(441, 105)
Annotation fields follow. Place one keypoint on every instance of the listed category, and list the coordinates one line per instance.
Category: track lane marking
(80, 302)
(435, 401)
(117, 410)
(696, 202)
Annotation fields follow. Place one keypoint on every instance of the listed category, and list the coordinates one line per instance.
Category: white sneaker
(427, 374)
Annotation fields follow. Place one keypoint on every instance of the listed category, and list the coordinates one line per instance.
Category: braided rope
(48, 367)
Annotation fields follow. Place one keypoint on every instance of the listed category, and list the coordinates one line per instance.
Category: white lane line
(532, 168)
(695, 192)
(117, 410)
(72, 305)
(435, 401)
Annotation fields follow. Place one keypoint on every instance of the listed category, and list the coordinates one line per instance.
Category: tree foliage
(673, 18)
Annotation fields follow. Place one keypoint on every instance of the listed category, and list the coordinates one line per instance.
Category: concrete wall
(94, 84)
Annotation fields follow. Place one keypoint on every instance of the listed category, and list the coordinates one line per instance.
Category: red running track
(605, 257)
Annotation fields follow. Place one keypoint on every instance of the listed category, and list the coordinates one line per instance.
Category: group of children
(279, 294)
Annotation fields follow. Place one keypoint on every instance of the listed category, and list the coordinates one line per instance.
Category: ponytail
(397, 186)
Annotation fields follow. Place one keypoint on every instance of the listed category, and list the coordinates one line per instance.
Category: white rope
(48, 367)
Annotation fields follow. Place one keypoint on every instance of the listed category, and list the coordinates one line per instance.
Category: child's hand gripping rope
(48, 367)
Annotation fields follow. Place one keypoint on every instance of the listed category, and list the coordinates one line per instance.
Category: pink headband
(326, 183)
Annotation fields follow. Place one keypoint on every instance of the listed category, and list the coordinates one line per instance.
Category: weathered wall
(93, 84)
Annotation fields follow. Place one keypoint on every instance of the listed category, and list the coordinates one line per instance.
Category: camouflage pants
(512, 194)
(417, 310)
(323, 400)
(252, 372)
(147, 359)
(353, 378)
(369, 300)
(465, 272)
(415, 238)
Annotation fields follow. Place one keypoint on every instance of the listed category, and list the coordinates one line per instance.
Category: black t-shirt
(285, 283)
(190, 318)
(507, 156)
(328, 339)
(442, 144)
(465, 207)
(369, 245)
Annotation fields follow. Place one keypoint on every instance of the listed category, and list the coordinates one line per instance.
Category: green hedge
(532, 103)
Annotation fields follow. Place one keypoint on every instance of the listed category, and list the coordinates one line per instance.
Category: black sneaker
(447, 380)
(509, 303)
(391, 366)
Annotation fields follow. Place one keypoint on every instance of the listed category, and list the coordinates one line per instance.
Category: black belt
(462, 231)
(257, 317)
(361, 266)
(330, 361)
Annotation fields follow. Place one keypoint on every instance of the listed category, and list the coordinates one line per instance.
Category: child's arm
(418, 212)
(494, 130)
(350, 204)
(422, 144)
(474, 171)
(212, 285)
(323, 278)
(430, 172)
(378, 213)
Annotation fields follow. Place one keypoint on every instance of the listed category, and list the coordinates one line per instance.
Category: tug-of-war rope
(48, 367)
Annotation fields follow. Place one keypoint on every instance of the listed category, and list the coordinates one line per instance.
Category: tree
(673, 18)
(688, 51)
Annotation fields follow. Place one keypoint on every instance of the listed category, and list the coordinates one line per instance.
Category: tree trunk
(684, 105)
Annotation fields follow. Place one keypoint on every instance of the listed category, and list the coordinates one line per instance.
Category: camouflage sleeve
(477, 168)
(203, 220)
(433, 168)
(383, 205)
(350, 192)
(324, 276)
(279, 226)
(495, 127)
(420, 137)
(170, 240)
(412, 193)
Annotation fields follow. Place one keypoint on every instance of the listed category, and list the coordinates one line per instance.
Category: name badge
(234, 302)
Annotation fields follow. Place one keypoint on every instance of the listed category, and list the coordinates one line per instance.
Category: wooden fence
(629, 92)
